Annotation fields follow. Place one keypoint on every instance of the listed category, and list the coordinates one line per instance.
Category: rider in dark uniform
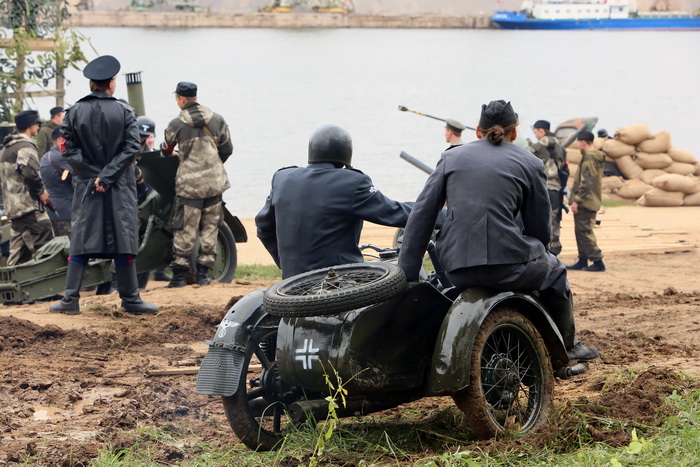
(313, 216)
(487, 184)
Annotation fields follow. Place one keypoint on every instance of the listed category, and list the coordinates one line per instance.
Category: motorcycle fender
(221, 368)
(453, 349)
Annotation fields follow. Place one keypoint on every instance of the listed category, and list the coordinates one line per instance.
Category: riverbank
(172, 19)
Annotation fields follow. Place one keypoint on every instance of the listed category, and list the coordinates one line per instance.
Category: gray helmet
(146, 126)
(330, 143)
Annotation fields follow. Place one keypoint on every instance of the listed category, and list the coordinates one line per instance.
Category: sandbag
(692, 200)
(648, 176)
(697, 169)
(675, 182)
(615, 149)
(615, 198)
(633, 134)
(628, 167)
(610, 184)
(681, 168)
(658, 160)
(599, 142)
(573, 155)
(681, 155)
(659, 197)
(661, 142)
(633, 189)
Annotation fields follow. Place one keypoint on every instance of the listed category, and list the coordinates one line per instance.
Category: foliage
(27, 20)
(258, 272)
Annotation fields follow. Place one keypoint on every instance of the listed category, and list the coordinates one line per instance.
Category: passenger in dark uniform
(58, 178)
(486, 184)
(100, 142)
(313, 216)
(453, 133)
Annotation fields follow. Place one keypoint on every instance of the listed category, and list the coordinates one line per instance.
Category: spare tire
(335, 289)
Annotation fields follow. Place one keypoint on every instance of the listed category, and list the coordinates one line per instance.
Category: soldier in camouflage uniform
(204, 143)
(43, 138)
(585, 197)
(553, 154)
(25, 194)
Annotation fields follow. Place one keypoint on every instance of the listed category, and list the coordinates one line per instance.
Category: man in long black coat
(100, 142)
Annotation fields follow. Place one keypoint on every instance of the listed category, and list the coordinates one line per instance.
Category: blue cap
(102, 68)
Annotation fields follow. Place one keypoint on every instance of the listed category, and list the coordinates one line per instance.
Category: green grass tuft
(258, 272)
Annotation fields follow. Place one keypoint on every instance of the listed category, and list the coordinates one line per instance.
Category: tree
(35, 48)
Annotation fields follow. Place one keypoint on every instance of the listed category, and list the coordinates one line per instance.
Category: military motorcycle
(390, 342)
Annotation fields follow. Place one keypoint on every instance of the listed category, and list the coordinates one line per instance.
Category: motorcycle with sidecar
(390, 342)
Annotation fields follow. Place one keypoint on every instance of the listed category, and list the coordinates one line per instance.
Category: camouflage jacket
(19, 171)
(201, 173)
(545, 148)
(587, 189)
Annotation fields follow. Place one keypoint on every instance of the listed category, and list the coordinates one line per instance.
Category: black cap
(454, 125)
(543, 124)
(585, 135)
(102, 68)
(186, 89)
(497, 112)
(603, 133)
(26, 118)
(56, 132)
(56, 111)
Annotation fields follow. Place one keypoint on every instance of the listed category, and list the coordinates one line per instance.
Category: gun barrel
(412, 160)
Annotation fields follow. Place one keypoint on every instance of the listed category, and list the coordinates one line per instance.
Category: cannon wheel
(335, 289)
(511, 380)
(257, 412)
(226, 261)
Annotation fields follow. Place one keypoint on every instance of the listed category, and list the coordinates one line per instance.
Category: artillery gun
(44, 276)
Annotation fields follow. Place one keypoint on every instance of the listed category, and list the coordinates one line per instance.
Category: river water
(274, 87)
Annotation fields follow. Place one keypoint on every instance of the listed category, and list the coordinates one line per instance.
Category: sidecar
(387, 343)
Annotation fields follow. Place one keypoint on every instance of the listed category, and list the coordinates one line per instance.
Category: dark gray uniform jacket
(52, 166)
(485, 187)
(313, 216)
(102, 140)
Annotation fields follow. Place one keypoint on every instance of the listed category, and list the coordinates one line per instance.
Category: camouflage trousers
(555, 201)
(584, 221)
(28, 233)
(193, 218)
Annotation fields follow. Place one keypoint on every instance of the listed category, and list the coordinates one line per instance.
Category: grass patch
(613, 204)
(258, 272)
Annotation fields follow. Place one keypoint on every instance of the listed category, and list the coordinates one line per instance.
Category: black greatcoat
(102, 140)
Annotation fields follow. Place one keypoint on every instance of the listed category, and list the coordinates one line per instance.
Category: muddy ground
(73, 385)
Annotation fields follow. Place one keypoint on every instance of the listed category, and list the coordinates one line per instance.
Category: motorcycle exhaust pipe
(571, 371)
(318, 409)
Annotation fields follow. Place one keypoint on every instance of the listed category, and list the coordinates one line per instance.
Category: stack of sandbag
(655, 172)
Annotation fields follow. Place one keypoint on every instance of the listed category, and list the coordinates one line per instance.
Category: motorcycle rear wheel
(335, 289)
(511, 379)
(256, 413)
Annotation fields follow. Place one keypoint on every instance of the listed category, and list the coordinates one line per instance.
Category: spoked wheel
(332, 290)
(511, 379)
(257, 411)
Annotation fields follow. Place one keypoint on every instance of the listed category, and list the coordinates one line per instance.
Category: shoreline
(304, 20)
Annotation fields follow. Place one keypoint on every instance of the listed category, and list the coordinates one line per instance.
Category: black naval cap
(56, 111)
(542, 124)
(497, 112)
(603, 133)
(102, 68)
(26, 118)
(56, 132)
(585, 135)
(454, 125)
(186, 89)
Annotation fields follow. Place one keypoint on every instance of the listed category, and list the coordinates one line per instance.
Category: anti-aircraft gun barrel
(412, 160)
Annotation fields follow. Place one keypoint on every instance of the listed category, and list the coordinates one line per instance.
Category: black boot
(203, 275)
(562, 313)
(70, 305)
(161, 276)
(581, 264)
(597, 266)
(128, 286)
(178, 279)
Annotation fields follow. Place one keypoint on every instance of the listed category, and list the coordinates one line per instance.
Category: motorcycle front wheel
(511, 381)
(335, 289)
(257, 412)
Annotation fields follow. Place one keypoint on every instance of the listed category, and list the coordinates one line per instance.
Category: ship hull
(508, 20)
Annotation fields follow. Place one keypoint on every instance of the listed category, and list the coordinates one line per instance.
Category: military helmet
(147, 126)
(330, 143)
